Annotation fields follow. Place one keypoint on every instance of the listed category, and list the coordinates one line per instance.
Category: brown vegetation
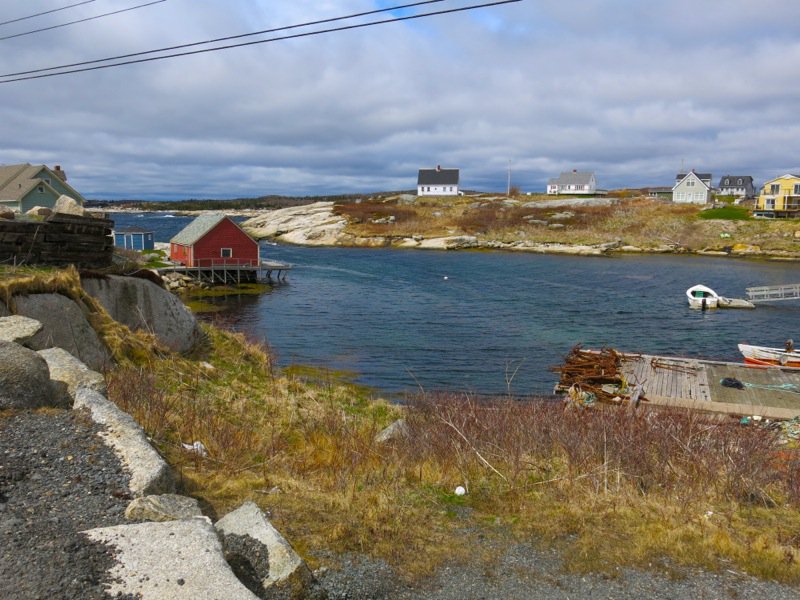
(609, 486)
(642, 222)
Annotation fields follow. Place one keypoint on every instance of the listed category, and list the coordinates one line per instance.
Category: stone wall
(60, 239)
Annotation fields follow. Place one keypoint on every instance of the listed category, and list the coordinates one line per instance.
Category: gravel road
(56, 478)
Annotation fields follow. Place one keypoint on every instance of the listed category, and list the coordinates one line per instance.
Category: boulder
(398, 429)
(68, 373)
(24, 378)
(143, 305)
(252, 545)
(69, 206)
(178, 560)
(311, 224)
(64, 326)
(18, 329)
(6, 213)
(163, 507)
(149, 473)
(454, 242)
(40, 211)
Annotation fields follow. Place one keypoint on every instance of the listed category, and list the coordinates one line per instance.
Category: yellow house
(779, 197)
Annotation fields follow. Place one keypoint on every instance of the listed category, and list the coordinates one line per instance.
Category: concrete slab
(176, 560)
(149, 473)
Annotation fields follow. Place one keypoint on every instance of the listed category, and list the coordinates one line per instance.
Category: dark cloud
(629, 89)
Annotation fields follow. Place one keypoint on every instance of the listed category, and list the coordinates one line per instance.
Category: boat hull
(763, 356)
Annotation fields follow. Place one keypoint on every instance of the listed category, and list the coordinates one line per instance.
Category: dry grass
(645, 223)
(609, 487)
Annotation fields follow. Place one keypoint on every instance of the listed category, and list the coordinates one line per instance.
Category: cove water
(493, 322)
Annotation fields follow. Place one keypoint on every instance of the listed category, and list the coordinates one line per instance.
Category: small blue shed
(133, 238)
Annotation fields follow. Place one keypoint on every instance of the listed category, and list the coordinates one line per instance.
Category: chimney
(61, 174)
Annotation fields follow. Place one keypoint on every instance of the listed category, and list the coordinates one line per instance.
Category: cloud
(631, 90)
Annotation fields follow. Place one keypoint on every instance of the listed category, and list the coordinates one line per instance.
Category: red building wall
(207, 250)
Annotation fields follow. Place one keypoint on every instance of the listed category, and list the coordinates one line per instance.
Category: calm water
(475, 320)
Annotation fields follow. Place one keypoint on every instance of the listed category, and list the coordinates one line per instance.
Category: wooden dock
(224, 273)
(768, 392)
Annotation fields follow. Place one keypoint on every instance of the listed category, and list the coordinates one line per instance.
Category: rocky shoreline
(318, 225)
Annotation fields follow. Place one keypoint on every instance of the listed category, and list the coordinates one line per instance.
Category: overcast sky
(633, 90)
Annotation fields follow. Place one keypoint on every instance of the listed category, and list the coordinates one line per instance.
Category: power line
(47, 12)
(222, 39)
(276, 39)
(108, 14)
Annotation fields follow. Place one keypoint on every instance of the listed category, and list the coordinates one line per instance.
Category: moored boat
(702, 297)
(762, 355)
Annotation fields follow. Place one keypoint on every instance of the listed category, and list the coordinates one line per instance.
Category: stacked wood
(85, 242)
(592, 372)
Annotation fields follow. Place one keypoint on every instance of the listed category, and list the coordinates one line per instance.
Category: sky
(634, 91)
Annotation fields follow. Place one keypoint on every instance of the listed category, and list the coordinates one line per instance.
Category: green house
(24, 186)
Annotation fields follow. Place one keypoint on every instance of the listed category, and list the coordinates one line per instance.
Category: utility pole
(508, 191)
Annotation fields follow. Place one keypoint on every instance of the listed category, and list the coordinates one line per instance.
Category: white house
(437, 182)
(740, 186)
(692, 188)
(572, 183)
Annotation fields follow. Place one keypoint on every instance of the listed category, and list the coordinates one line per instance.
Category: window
(796, 189)
(775, 189)
(690, 183)
(40, 189)
(728, 181)
(739, 181)
(769, 204)
(226, 252)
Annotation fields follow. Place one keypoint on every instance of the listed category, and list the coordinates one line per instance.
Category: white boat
(702, 297)
(761, 355)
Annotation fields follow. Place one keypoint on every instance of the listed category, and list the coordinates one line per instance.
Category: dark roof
(700, 176)
(197, 229)
(733, 178)
(437, 176)
(572, 178)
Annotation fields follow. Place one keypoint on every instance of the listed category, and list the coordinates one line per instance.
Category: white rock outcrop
(311, 224)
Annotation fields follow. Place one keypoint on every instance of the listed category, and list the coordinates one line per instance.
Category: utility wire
(47, 12)
(268, 40)
(222, 39)
(108, 14)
